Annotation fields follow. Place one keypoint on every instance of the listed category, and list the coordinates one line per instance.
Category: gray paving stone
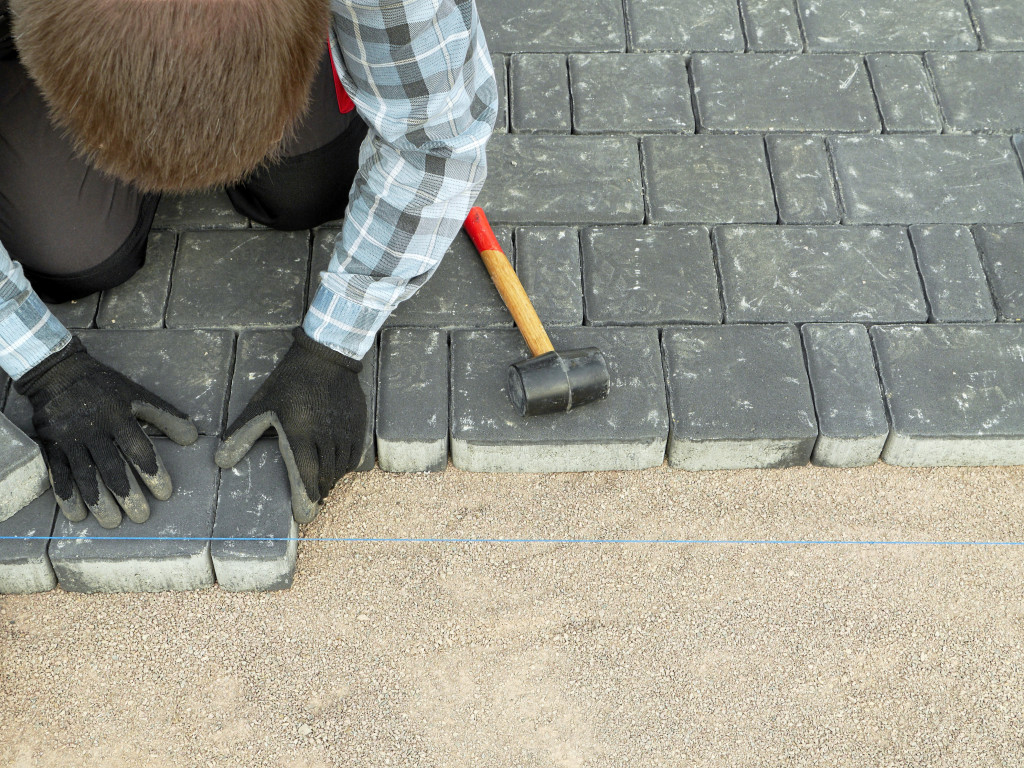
(904, 94)
(804, 191)
(189, 369)
(548, 265)
(140, 302)
(819, 274)
(501, 75)
(459, 294)
(630, 93)
(1001, 23)
(518, 26)
(412, 415)
(258, 354)
(77, 314)
(739, 397)
(954, 280)
(626, 430)
(933, 179)
(569, 180)
(540, 93)
(852, 424)
(649, 276)
(980, 91)
(201, 210)
(771, 26)
(88, 558)
(254, 279)
(955, 393)
(887, 25)
(699, 179)
(683, 25)
(24, 566)
(23, 475)
(254, 502)
(1002, 252)
(765, 92)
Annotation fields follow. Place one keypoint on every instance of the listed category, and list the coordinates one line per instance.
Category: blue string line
(362, 540)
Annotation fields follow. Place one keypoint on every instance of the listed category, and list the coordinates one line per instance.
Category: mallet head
(558, 381)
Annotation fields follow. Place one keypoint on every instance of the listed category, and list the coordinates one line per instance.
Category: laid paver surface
(765, 179)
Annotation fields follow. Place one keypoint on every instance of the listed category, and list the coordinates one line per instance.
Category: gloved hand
(314, 402)
(86, 417)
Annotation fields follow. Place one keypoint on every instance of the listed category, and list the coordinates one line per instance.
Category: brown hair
(174, 95)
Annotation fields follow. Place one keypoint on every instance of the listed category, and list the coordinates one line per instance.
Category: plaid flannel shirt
(420, 75)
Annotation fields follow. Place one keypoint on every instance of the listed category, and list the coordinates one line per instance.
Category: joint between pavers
(975, 25)
(874, 94)
(771, 178)
(934, 90)
(837, 189)
(920, 274)
(698, 126)
(743, 26)
(715, 254)
(170, 278)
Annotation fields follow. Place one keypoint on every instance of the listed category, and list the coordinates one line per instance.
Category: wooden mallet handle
(507, 282)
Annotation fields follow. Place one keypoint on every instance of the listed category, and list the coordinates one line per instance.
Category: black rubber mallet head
(550, 381)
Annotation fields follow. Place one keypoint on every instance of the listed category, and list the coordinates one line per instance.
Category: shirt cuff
(29, 334)
(342, 324)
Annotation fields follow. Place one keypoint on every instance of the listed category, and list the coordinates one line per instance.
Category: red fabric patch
(345, 103)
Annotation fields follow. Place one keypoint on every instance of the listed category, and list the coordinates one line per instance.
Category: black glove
(314, 402)
(86, 417)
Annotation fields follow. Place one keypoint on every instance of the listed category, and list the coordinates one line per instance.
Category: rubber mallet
(550, 381)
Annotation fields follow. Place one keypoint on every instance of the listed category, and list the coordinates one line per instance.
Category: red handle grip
(479, 229)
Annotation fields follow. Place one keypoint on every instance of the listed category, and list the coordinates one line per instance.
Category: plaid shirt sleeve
(420, 75)
(28, 330)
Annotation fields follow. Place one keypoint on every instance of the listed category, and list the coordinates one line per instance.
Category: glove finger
(330, 470)
(68, 498)
(240, 438)
(93, 492)
(301, 462)
(167, 419)
(138, 450)
(120, 480)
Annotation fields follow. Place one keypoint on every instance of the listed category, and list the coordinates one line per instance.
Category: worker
(306, 111)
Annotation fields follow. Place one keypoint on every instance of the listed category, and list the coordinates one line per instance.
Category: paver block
(540, 93)
(258, 354)
(933, 179)
(818, 274)
(804, 191)
(23, 475)
(887, 25)
(683, 25)
(630, 93)
(255, 538)
(698, 179)
(24, 565)
(1002, 251)
(771, 25)
(955, 393)
(905, 96)
(548, 265)
(649, 276)
(1001, 23)
(517, 26)
(200, 210)
(954, 280)
(170, 551)
(563, 180)
(459, 294)
(980, 91)
(852, 424)
(412, 415)
(254, 279)
(765, 92)
(77, 314)
(188, 369)
(501, 75)
(140, 302)
(626, 430)
(739, 397)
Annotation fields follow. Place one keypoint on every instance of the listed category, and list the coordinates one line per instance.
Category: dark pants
(76, 231)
